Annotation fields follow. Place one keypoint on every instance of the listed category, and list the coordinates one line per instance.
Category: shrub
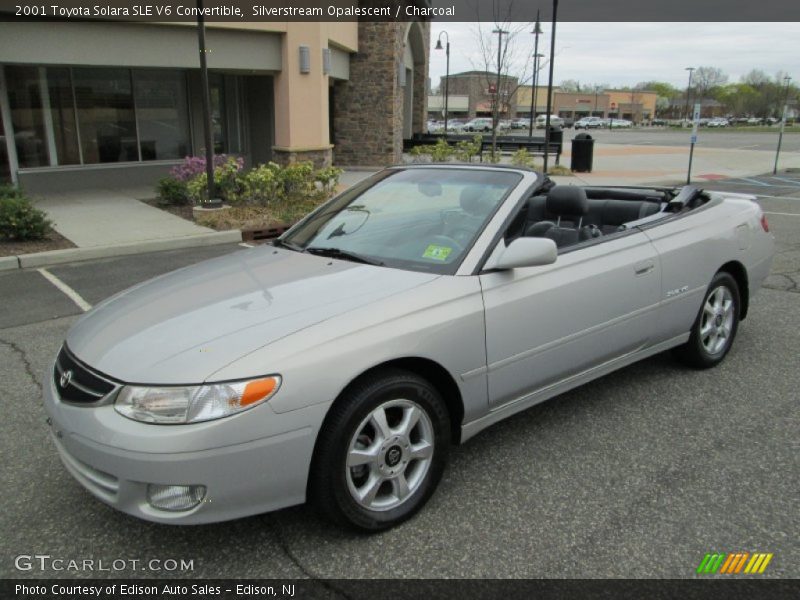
(465, 151)
(192, 166)
(328, 178)
(522, 158)
(19, 219)
(172, 191)
(441, 151)
(298, 180)
(227, 182)
(263, 184)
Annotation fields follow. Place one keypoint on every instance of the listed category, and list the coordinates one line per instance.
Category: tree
(706, 79)
(571, 86)
(498, 62)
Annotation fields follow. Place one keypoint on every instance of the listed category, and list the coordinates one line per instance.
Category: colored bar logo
(734, 563)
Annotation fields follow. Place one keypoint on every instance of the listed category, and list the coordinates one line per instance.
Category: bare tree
(706, 79)
(506, 63)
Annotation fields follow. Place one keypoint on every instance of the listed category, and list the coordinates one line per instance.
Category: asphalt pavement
(638, 474)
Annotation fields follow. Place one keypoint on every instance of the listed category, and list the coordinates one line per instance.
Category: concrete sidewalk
(616, 164)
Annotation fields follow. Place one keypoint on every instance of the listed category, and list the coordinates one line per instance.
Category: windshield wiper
(344, 255)
(281, 244)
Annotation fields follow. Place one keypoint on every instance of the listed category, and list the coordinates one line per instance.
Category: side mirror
(524, 252)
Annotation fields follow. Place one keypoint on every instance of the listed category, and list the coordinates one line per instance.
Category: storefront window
(162, 111)
(25, 101)
(62, 112)
(105, 114)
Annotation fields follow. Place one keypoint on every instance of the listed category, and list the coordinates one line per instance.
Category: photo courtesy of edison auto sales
(399, 298)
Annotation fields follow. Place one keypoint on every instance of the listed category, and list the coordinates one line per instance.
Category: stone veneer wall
(320, 158)
(368, 109)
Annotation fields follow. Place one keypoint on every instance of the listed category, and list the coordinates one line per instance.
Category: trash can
(582, 153)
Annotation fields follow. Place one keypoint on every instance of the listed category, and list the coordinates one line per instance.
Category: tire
(716, 324)
(371, 473)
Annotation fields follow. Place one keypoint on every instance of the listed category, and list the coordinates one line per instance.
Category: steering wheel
(444, 240)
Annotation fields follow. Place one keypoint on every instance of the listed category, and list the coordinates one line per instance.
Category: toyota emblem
(66, 377)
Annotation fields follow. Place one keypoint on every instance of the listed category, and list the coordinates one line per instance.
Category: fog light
(175, 497)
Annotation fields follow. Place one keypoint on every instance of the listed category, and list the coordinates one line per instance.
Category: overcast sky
(627, 53)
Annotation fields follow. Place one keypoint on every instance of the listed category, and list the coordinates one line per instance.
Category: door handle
(643, 267)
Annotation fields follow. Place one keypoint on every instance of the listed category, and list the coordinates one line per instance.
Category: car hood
(183, 326)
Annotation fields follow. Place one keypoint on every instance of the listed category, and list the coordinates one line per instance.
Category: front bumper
(115, 458)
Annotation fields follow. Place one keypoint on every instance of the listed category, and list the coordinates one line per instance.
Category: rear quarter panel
(692, 248)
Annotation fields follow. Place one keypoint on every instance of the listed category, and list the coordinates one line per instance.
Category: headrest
(473, 202)
(567, 200)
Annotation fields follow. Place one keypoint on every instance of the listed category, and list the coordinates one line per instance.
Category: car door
(544, 324)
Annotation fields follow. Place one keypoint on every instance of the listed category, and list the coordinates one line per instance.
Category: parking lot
(638, 474)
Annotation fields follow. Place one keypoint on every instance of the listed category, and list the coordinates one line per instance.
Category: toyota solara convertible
(410, 312)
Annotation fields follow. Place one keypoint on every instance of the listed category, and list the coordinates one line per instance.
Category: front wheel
(381, 452)
(716, 324)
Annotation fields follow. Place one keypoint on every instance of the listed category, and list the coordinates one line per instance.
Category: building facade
(480, 89)
(108, 103)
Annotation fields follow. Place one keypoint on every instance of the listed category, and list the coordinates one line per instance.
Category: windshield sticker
(435, 252)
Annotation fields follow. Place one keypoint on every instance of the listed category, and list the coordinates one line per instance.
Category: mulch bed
(53, 241)
(184, 211)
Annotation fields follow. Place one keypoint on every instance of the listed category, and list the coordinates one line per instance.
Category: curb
(55, 257)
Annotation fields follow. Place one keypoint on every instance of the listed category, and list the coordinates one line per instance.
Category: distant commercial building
(480, 89)
(97, 103)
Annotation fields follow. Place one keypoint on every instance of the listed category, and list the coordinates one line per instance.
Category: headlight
(191, 404)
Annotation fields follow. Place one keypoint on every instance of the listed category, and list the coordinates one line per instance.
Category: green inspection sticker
(437, 252)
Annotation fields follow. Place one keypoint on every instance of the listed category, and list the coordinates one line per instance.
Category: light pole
(537, 31)
(597, 90)
(209, 137)
(550, 88)
(495, 121)
(688, 88)
(787, 79)
(447, 75)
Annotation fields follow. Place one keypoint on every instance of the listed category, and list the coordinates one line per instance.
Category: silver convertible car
(410, 312)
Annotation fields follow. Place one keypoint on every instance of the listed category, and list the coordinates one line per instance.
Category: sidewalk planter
(202, 209)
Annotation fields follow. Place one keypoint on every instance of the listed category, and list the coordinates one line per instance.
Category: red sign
(613, 105)
(492, 88)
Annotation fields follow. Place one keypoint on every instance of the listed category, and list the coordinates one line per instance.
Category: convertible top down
(410, 312)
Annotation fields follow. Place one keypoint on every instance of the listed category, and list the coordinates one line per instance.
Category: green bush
(522, 158)
(328, 178)
(172, 191)
(19, 218)
(262, 184)
(465, 151)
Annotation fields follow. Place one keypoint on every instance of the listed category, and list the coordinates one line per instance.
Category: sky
(626, 53)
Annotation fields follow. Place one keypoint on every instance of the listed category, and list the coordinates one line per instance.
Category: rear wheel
(716, 324)
(381, 452)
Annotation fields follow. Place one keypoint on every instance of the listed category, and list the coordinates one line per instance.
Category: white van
(555, 120)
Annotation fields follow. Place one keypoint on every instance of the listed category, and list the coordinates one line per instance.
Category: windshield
(422, 219)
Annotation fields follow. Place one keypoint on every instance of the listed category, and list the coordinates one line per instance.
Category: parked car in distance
(717, 122)
(479, 124)
(339, 364)
(520, 123)
(755, 121)
(620, 123)
(659, 122)
(455, 125)
(435, 126)
(589, 123)
(555, 121)
(503, 125)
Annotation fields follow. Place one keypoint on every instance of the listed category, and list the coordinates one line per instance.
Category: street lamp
(597, 90)
(787, 79)
(537, 31)
(206, 98)
(447, 75)
(688, 87)
(550, 88)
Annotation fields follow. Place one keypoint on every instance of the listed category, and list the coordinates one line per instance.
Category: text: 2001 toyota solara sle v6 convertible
(408, 313)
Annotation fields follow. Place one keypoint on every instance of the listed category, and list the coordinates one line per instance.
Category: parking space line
(68, 291)
(776, 197)
(246, 245)
(755, 182)
(792, 181)
(783, 214)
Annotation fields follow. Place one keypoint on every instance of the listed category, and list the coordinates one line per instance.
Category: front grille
(77, 383)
